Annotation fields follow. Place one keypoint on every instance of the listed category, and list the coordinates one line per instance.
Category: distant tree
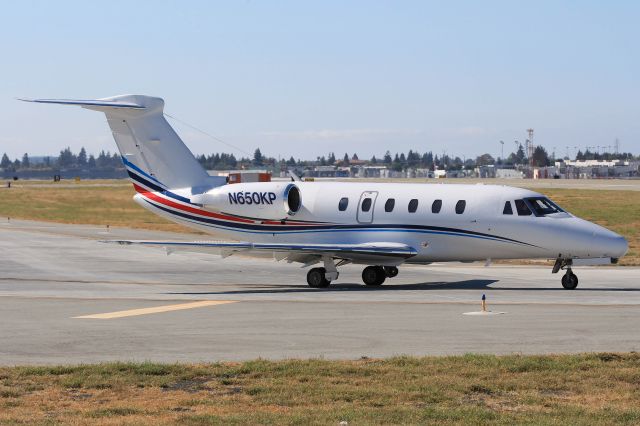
(520, 156)
(16, 164)
(396, 164)
(91, 162)
(116, 161)
(374, 160)
(413, 159)
(292, 161)
(25, 161)
(427, 160)
(580, 156)
(345, 159)
(322, 161)
(387, 158)
(355, 157)
(332, 158)
(103, 159)
(457, 163)
(5, 163)
(66, 158)
(484, 160)
(82, 157)
(257, 157)
(540, 157)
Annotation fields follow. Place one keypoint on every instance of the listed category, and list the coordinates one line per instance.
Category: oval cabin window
(436, 206)
(413, 205)
(343, 204)
(460, 205)
(366, 204)
(388, 206)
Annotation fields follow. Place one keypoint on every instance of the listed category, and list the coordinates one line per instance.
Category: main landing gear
(316, 278)
(371, 275)
(569, 279)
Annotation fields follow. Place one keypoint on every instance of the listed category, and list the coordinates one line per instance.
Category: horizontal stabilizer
(383, 252)
(87, 103)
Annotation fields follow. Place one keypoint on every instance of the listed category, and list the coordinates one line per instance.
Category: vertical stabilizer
(147, 143)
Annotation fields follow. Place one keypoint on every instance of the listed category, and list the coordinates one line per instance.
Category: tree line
(68, 160)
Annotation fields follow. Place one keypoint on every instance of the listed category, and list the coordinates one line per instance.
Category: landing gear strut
(569, 279)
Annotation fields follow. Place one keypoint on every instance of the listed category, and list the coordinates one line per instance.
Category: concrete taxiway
(66, 298)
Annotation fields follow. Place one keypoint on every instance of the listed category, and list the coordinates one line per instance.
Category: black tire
(316, 278)
(569, 280)
(373, 275)
(391, 271)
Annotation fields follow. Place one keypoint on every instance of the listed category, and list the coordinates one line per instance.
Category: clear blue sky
(305, 78)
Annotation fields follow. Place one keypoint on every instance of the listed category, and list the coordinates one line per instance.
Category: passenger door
(366, 206)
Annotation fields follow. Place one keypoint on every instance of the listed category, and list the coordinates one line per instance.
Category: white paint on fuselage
(534, 237)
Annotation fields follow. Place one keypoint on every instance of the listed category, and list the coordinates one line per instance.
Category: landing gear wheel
(569, 280)
(391, 271)
(316, 278)
(373, 275)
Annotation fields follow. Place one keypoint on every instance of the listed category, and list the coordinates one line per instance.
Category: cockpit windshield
(543, 206)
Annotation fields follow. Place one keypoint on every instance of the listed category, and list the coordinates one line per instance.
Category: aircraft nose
(619, 246)
(612, 244)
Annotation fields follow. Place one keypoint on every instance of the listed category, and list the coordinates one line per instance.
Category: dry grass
(103, 203)
(568, 389)
(109, 202)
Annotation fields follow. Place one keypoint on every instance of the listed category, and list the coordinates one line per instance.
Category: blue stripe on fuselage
(281, 229)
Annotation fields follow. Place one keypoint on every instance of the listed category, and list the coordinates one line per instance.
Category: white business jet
(381, 225)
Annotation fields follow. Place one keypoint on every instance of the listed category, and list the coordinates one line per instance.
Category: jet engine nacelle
(264, 200)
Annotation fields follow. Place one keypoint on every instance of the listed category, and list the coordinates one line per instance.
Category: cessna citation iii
(380, 225)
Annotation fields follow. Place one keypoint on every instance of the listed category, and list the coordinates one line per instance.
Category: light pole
(502, 151)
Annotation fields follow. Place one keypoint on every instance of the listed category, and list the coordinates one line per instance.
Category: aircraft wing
(379, 253)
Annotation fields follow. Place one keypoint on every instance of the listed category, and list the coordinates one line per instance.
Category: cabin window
(522, 209)
(436, 206)
(343, 204)
(388, 206)
(507, 208)
(413, 205)
(542, 206)
(460, 205)
(366, 204)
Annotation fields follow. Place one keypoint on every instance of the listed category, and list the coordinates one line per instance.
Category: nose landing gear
(569, 280)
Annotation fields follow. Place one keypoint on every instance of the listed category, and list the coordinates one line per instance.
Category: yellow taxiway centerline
(156, 309)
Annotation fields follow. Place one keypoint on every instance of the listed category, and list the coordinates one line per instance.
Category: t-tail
(151, 150)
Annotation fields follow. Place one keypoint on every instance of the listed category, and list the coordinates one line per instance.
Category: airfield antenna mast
(530, 147)
(617, 145)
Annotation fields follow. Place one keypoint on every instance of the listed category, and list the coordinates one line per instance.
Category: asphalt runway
(66, 298)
